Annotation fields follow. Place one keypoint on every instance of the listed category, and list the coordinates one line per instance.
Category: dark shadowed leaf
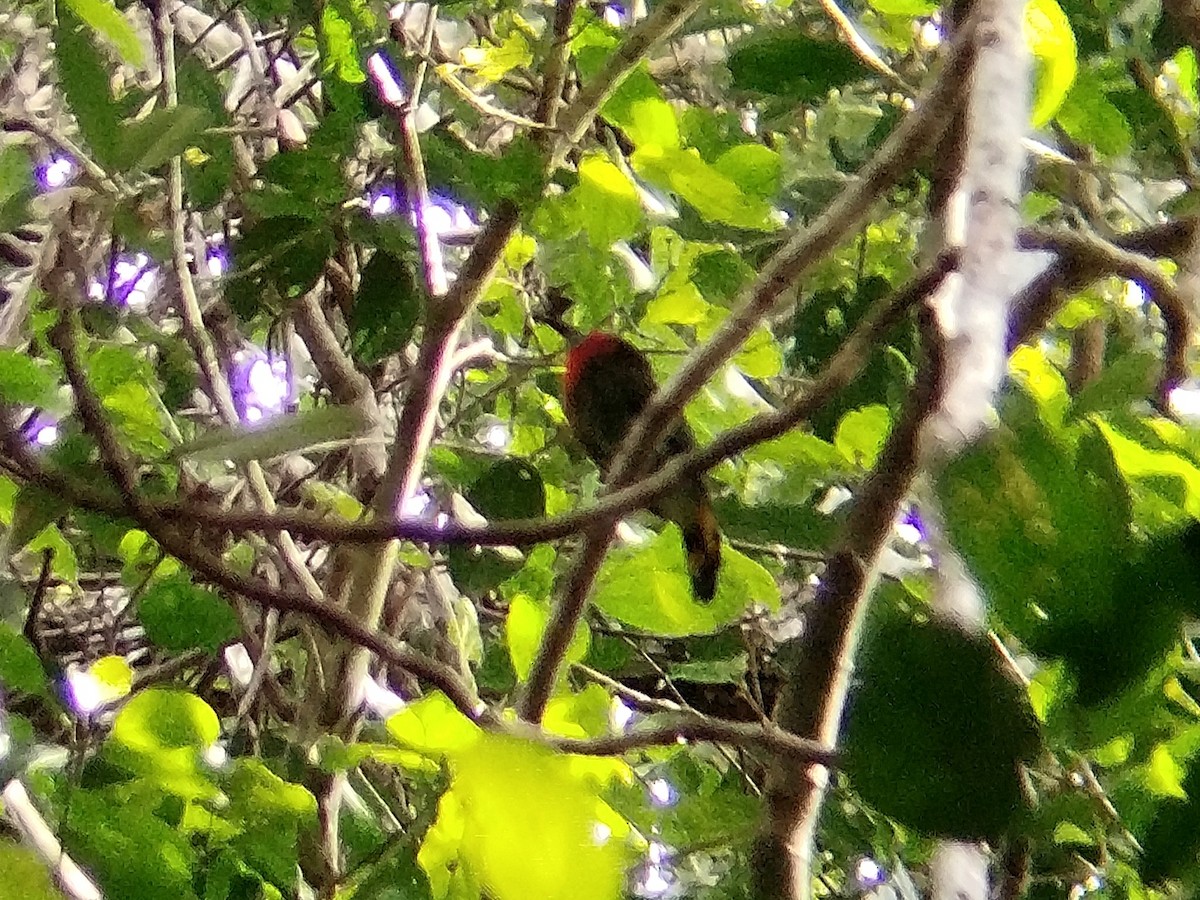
(83, 76)
(180, 616)
(20, 668)
(937, 732)
(386, 308)
(791, 64)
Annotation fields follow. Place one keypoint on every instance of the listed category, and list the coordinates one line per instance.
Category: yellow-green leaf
(103, 17)
(1052, 42)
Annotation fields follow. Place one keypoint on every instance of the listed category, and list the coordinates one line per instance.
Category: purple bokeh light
(57, 171)
(261, 384)
(129, 283)
(216, 261)
(41, 430)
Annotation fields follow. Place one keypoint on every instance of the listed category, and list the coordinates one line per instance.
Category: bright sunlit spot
(85, 693)
(662, 792)
(387, 79)
(620, 715)
(496, 436)
(600, 832)
(1134, 295)
(416, 506)
(868, 873)
(240, 666)
(262, 383)
(216, 262)
(1184, 400)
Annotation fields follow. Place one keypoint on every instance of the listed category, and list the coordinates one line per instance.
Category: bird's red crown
(595, 345)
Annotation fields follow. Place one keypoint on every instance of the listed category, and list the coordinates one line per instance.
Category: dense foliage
(233, 361)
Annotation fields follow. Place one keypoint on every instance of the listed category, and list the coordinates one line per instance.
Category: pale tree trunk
(981, 214)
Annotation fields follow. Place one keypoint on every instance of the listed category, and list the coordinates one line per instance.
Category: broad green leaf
(16, 187)
(755, 169)
(84, 79)
(126, 847)
(677, 305)
(106, 20)
(1164, 775)
(137, 416)
(711, 671)
(26, 382)
(523, 631)
(63, 563)
(276, 437)
(493, 62)
(161, 719)
(648, 587)
(1171, 842)
(276, 259)
(25, 875)
(861, 434)
(789, 63)
(160, 735)
(8, 500)
(509, 489)
(640, 109)
(20, 669)
(434, 727)
(113, 676)
(386, 309)
(715, 197)
(1090, 117)
(910, 8)
(1052, 42)
(605, 202)
(208, 165)
(329, 498)
(179, 616)
(937, 732)
(339, 51)
(164, 133)
(33, 509)
(484, 826)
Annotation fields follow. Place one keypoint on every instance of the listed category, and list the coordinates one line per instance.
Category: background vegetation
(308, 590)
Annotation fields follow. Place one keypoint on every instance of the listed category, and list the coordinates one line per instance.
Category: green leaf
(16, 187)
(130, 851)
(280, 257)
(160, 735)
(339, 51)
(137, 416)
(523, 630)
(755, 169)
(25, 876)
(648, 587)
(1172, 842)
(715, 197)
(150, 142)
(861, 434)
(84, 79)
(208, 168)
(640, 109)
(179, 616)
(33, 509)
(26, 382)
(279, 436)
(386, 309)
(798, 526)
(20, 669)
(160, 719)
(510, 489)
(63, 563)
(484, 830)
(910, 8)
(789, 63)
(937, 732)
(605, 202)
(711, 671)
(106, 20)
(1052, 42)
(1090, 117)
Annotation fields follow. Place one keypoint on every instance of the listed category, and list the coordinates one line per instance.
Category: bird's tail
(702, 544)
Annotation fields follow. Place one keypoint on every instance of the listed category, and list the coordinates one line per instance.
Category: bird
(607, 383)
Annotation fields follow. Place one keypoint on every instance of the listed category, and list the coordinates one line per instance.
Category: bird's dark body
(607, 384)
